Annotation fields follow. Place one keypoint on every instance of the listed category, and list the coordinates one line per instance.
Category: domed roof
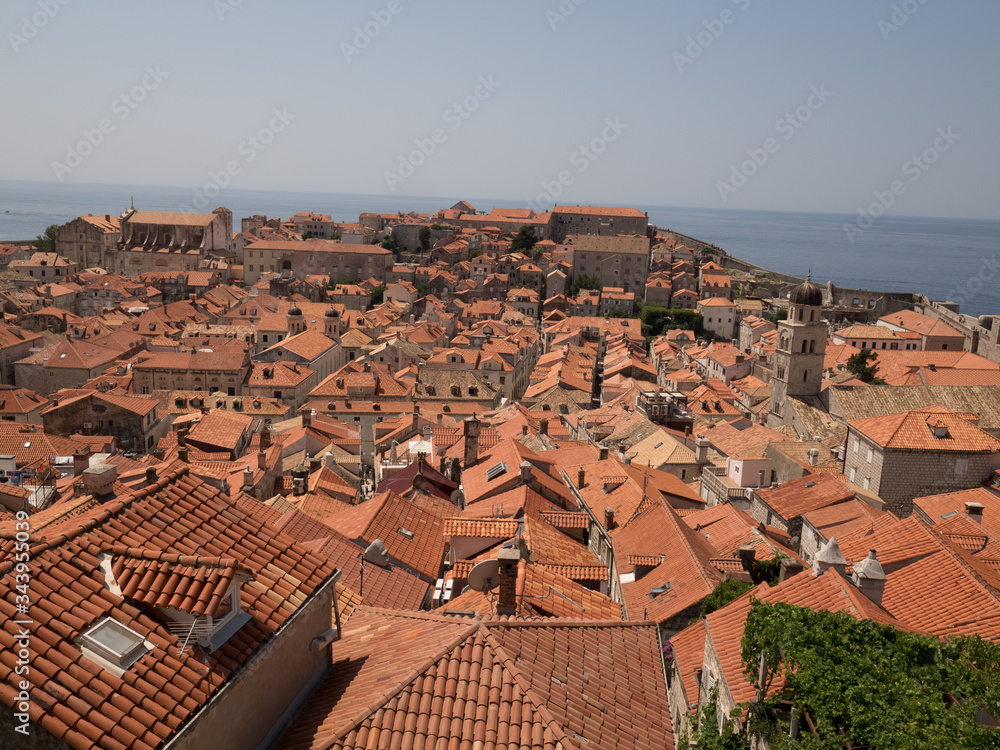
(295, 310)
(806, 294)
(330, 313)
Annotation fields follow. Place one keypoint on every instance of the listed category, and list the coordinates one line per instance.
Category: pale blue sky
(687, 123)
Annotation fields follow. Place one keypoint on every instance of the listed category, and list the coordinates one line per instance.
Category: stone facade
(899, 476)
(315, 257)
(90, 241)
(621, 262)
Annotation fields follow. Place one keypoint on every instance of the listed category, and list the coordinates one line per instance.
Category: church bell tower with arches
(798, 359)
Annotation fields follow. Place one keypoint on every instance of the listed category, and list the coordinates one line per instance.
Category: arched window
(805, 375)
(811, 314)
(800, 313)
(812, 347)
(805, 346)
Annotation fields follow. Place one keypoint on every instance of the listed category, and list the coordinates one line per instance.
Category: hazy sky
(782, 105)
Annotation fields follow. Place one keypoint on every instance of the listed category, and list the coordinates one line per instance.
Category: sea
(946, 259)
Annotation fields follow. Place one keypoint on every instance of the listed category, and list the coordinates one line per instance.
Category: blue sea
(955, 259)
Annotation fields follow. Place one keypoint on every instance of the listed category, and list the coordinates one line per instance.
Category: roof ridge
(525, 686)
(408, 678)
(111, 510)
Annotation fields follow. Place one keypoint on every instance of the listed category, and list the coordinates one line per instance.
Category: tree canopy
(864, 684)
(864, 366)
(46, 242)
(524, 240)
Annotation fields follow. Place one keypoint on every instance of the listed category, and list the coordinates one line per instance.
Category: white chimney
(830, 556)
(870, 578)
(701, 450)
(975, 512)
(813, 456)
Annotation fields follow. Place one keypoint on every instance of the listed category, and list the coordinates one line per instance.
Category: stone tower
(331, 324)
(296, 323)
(798, 359)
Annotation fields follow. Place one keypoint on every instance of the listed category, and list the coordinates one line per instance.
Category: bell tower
(798, 358)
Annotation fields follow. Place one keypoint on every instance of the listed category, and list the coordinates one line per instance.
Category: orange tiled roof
(914, 430)
(487, 682)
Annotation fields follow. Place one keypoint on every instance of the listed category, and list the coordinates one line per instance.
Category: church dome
(295, 311)
(330, 313)
(806, 294)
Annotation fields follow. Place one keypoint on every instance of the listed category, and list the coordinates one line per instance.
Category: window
(857, 445)
(854, 472)
(961, 465)
(113, 644)
(868, 482)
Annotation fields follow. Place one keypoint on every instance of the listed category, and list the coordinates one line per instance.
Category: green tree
(46, 242)
(421, 290)
(776, 317)
(729, 590)
(524, 241)
(378, 296)
(584, 282)
(864, 366)
(657, 320)
(865, 684)
(425, 239)
(473, 254)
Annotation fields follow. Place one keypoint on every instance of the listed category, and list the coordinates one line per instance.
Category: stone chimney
(307, 418)
(183, 455)
(526, 468)
(975, 512)
(81, 461)
(870, 578)
(829, 556)
(262, 460)
(150, 475)
(524, 429)
(507, 595)
(603, 454)
(701, 450)
(543, 427)
(581, 478)
(471, 432)
(609, 519)
(182, 433)
(247, 480)
(789, 568)
(813, 456)
(100, 479)
(315, 464)
(265, 438)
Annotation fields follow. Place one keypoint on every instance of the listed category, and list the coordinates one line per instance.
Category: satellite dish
(484, 576)
(375, 553)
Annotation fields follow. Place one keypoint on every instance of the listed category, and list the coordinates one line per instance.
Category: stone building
(911, 454)
(315, 257)
(191, 371)
(798, 359)
(135, 422)
(90, 241)
(163, 241)
(617, 261)
(597, 220)
(719, 317)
